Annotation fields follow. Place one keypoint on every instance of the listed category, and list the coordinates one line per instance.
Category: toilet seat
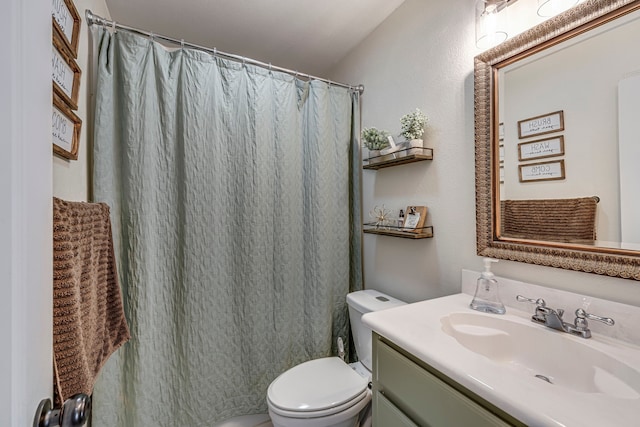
(317, 388)
(354, 405)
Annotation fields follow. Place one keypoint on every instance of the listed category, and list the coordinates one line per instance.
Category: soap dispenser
(487, 298)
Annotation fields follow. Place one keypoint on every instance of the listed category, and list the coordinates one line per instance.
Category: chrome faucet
(553, 318)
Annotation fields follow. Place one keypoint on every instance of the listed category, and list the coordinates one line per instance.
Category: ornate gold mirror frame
(591, 259)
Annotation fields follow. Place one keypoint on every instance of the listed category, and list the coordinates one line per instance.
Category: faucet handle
(582, 315)
(538, 302)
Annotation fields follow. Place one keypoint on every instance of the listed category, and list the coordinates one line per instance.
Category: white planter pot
(374, 156)
(415, 146)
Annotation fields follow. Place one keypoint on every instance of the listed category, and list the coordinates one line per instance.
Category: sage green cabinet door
(387, 415)
(423, 397)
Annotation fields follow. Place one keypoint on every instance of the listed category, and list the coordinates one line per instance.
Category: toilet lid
(316, 385)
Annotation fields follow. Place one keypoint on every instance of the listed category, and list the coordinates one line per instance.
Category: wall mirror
(557, 142)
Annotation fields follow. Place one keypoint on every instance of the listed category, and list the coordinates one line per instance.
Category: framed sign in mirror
(539, 125)
(539, 149)
(65, 74)
(66, 24)
(65, 130)
(541, 171)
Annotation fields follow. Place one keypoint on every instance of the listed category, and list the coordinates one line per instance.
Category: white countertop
(417, 328)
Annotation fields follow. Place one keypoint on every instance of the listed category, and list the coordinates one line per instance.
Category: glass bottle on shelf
(401, 218)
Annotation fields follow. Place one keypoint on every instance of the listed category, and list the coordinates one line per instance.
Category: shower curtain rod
(93, 19)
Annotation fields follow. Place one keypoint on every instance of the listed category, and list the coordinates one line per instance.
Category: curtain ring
(215, 52)
(182, 44)
(244, 61)
(152, 36)
(113, 26)
(269, 67)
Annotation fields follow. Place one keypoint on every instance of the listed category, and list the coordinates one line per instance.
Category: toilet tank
(362, 302)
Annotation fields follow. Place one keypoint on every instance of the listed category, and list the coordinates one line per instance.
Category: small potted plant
(374, 140)
(413, 127)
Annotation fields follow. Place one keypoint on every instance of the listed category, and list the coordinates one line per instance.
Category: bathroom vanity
(439, 363)
(407, 389)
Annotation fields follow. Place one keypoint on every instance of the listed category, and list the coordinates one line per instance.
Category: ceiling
(309, 36)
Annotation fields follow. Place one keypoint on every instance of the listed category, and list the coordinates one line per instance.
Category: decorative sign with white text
(66, 22)
(63, 17)
(65, 74)
(539, 125)
(61, 72)
(62, 130)
(549, 147)
(65, 130)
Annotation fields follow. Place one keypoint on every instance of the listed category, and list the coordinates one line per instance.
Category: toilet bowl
(327, 392)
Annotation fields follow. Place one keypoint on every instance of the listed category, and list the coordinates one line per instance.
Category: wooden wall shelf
(424, 232)
(399, 158)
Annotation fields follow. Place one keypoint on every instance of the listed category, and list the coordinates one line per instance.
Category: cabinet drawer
(423, 397)
(387, 415)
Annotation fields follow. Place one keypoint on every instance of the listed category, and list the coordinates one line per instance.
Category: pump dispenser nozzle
(487, 267)
(487, 298)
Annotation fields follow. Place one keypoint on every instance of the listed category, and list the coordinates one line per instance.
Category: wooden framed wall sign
(543, 171)
(66, 23)
(541, 148)
(65, 130)
(415, 218)
(539, 125)
(65, 74)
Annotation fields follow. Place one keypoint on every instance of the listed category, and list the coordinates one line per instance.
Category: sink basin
(541, 377)
(556, 358)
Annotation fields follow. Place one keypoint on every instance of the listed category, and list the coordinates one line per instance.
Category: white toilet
(327, 392)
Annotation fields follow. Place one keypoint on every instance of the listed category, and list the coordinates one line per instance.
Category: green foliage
(375, 139)
(413, 125)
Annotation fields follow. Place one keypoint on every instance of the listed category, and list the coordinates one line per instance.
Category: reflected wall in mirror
(580, 67)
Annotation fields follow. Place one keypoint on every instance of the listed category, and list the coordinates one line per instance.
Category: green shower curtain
(234, 195)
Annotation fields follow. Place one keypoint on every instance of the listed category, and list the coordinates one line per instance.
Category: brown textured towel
(88, 317)
(557, 220)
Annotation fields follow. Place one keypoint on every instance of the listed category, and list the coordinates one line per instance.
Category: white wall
(25, 210)
(422, 56)
(71, 177)
(629, 108)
